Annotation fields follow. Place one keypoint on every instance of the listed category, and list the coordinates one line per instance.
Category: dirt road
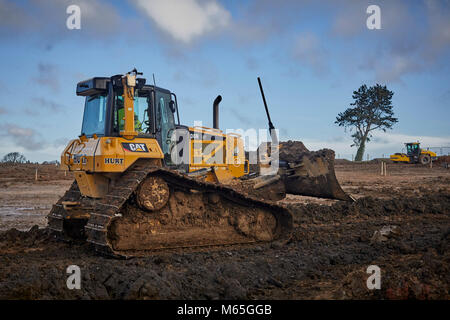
(400, 223)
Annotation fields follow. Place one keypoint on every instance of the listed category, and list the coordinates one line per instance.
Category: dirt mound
(342, 161)
(15, 238)
(292, 151)
(371, 207)
(443, 159)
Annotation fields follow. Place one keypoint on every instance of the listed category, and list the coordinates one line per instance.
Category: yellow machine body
(399, 157)
(96, 161)
(430, 153)
(403, 157)
(223, 154)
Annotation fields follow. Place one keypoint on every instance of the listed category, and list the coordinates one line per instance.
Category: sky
(310, 55)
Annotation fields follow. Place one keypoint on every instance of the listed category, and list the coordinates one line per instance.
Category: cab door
(165, 122)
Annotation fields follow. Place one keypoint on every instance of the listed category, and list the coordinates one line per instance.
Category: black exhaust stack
(216, 112)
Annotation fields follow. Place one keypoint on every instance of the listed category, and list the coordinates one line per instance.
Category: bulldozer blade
(316, 177)
(310, 173)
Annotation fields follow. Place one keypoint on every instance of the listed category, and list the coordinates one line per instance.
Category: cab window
(165, 120)
(140, 114)
(94, 115)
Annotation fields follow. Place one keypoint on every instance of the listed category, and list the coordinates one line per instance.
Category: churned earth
(400, 222)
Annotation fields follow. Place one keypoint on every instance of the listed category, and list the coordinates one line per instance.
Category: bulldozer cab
(412, 149)
(105, 111)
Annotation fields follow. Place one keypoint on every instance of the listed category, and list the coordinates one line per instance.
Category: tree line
(16, 157)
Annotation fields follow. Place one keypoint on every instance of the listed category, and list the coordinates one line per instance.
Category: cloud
(26, 138)
(199, 70)
(47, 19)
(47, 76)
(242, 118)
(60, 142)
(99, 16)
(350, 20)
(309, 50)
(186, 20)
(245, 33)
(390, 67)
(30, 144)
(47, 104)
(257, 21)
(13, 16)
(439, 34)
(3, 110)
(407, 43)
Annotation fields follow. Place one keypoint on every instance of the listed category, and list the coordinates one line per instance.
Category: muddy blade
(311, 173)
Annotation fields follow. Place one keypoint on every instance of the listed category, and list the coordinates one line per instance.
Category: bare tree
(14, 157)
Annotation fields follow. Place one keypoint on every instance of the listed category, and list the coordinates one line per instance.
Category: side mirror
(172, 106)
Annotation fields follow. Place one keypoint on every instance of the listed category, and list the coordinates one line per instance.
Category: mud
(332, 245)
(291, 151)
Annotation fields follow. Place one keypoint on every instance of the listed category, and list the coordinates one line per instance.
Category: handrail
(234, 134)
(68, 154)
(207, 129)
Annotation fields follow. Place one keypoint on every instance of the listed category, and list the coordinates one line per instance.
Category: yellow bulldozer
(414, 154)
(144, 182)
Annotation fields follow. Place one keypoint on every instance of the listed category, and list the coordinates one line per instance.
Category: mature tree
(14, 157)
(372, 110)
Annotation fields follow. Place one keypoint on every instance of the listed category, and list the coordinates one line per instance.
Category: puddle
(15, 211)
(22, 218)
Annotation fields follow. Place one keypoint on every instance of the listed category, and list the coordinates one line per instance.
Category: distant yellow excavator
(414, 154)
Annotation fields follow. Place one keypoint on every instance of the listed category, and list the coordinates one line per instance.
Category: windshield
(94, 115)
(140, 113)
(411, 148)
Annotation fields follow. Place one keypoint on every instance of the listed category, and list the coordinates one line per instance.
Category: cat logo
(135, 147)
